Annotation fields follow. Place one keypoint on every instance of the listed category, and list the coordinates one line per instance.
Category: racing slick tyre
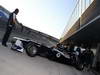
(31, 50)
(80, 67)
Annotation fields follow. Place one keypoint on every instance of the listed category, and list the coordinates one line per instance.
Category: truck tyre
(31, 50)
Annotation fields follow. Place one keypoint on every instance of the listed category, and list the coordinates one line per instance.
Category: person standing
(88, 57)
(10, 24)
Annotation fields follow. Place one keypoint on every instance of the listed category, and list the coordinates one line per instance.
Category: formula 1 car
(33, 48)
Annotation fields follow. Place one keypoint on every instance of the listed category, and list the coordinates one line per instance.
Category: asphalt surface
(16, 63)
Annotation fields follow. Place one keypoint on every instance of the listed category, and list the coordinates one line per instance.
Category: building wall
(79, 9)
(73, 29)
(90, 13)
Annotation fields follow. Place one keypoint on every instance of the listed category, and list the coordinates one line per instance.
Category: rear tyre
(80, 67)
(31, 50)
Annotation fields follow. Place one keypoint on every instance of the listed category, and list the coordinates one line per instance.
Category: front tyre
(31, 50)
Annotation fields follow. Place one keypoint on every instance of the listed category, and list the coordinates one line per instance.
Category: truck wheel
(31, 50)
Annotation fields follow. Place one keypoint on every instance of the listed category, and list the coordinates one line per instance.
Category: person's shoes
(5, 45)
(20, 50)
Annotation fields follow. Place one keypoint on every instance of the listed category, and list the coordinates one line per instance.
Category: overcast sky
(48, 16)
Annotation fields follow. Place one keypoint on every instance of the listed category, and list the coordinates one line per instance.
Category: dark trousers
(6, 35)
